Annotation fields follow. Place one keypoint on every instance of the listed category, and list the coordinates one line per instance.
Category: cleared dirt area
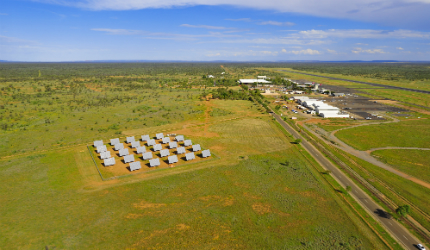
(120, 168)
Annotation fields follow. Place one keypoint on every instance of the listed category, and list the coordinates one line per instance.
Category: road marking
(366, 201)
(390, 223)
(405, 237)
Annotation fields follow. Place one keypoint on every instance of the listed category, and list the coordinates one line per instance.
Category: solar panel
(190, 156)
(180, 150)
(123, 152)
(151, 142)
(154, 162)
(98, 143)
(130, 139)
(196, 148)
(164, 152)
(114, 141)
(159, 136)
(147, 155)
(135, 166)
(141, 150)
(109, 162)
(119, 146)
(145, 138)
(101, 149)
(166, 140)
(179, 138)
(173, 159)
(128, 158)
(206, 153)
(135, 144)
(105, 155)
(187, 143)
(157, 147)
(173, 144)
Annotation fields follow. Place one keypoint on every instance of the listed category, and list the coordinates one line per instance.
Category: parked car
(368, 118)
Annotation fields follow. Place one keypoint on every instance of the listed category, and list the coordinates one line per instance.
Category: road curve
(397, 230)
(368, 83)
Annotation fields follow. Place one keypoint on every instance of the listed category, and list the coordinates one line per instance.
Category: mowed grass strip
(412, 162)
(269, 201)
(414, 133)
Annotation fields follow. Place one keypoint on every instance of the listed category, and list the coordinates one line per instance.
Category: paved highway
(368, 83)
(397, 230)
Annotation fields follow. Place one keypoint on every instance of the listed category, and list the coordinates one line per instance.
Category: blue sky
(206, 30)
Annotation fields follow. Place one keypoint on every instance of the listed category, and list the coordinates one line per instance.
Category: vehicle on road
(420, 247)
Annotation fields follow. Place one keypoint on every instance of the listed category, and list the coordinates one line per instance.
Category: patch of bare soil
(260, 208)
(315, 120)
(144, 204)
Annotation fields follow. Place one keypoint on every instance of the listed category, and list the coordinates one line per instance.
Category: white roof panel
(101, 149)
(135, 166)
(128, 158)
(135, 144)
(159, 135)
(98, 143)
(173, 159)
(119, 146)
(151, 142)
(141, 150)
(130, 139)
(109, 162)
(123, 152)
(190, 156)
(145, 138)
(173, 144)
(114, 141)
(147, 155)
(154, 162)
(196, 148)
(164, 152)
(179, 138)
(105, 155)
(166, 140)
(157, 147)
(187, 143)
(206, 153)
(180, 150)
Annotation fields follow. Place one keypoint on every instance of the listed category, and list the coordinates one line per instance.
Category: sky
(211, 30)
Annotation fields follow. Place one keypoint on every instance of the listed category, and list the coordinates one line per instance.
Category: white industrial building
(321, 108)
(251, 81)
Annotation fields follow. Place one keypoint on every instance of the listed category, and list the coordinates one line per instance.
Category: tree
(348, 189)
(404, 210)
(297, 141)
(278, 107)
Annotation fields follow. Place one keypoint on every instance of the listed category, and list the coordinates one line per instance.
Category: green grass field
(413, 133)
(412, 162)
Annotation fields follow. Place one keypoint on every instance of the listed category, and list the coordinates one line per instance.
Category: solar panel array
(180, 150)
(135, 166)
(190, 156)
(196, 148)
(206, 153)
(158, 147)
(147, 155)
(135, 144)
(173, 144)
(105, 155)
(166, 140)
(119, 146)
(173, 159)
(98, 143)
(151, 142)
(101, 149)
(114, 141)
(109, 162)
(123, 152)
(154, 162)
(128, 158)
(164, 152)
(140, 150)
(187, 143)
(159, 136)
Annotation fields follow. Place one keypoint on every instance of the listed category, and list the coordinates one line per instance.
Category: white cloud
(367, 51)
(400, 48)
(239, 20)
(14, 40)
(204, 27)
(332, 51)
(284, 51)
(215, 54)
(363, 33)
(382, 11)
(276, 23)
(306, 52)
